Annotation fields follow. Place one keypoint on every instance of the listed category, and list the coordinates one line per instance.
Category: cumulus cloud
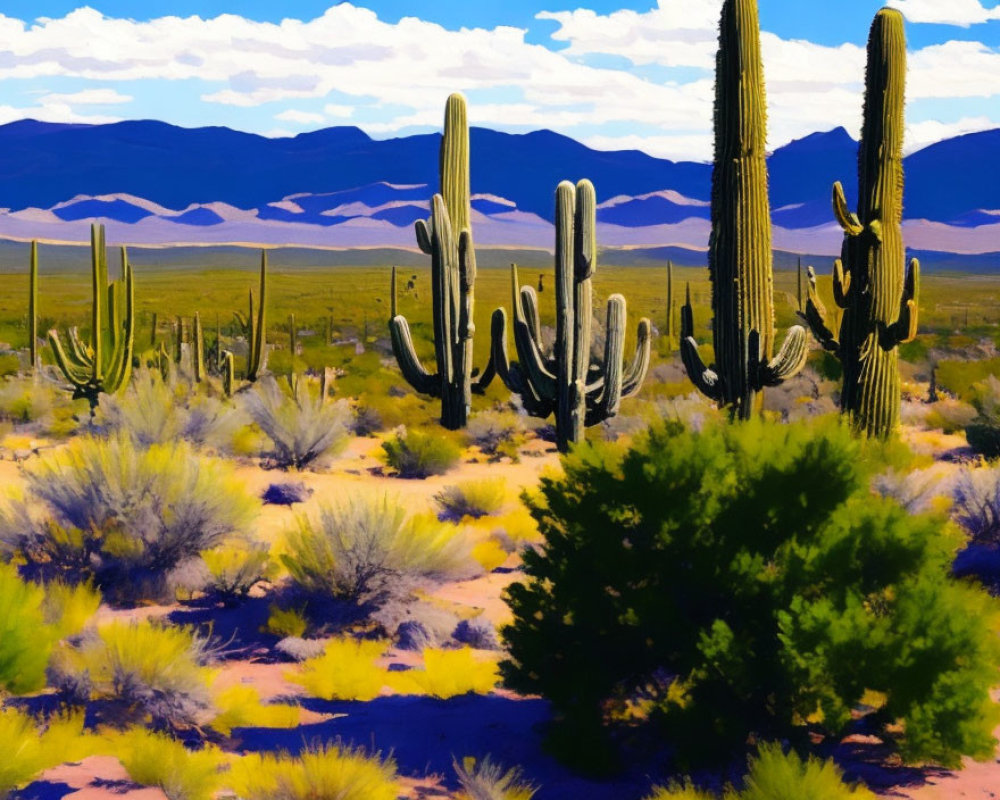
(921, 134)
(399, 73)
(963, 13)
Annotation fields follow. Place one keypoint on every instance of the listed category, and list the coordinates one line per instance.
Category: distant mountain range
(155, 183)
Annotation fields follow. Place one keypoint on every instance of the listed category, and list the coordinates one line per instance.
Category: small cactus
(255, 327)
(871, 284)
(33, 306)
(198, 349)
(103, 365)
(228, 373)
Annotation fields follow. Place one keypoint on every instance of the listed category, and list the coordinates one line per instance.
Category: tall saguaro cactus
(740, 258)
(567, 381)
(105, 363)
(870, 281)
(33, 306)
(447, 238)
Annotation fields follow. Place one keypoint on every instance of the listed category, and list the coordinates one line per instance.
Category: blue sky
(612, 73)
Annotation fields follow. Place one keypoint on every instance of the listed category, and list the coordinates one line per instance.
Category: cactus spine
(33, 306)
(567, 382)
(870, 281)
(740, 244)
(447, 238)
(106, 363)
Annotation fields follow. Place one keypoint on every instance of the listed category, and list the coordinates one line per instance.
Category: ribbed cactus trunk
(567, 382)
(871, 283)
(739, 255)
(33, 306)
(669, 331)
(198, 349)
(447, 238)
(256, 326)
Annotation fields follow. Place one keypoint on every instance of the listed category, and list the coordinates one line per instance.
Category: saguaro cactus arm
(815, 315)
(705, 380)
(905, 328)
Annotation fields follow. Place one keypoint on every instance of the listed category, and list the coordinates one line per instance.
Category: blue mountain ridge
(45, 164)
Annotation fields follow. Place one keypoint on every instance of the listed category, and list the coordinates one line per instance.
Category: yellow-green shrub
(322, 773)
(448, 673)
(477, 498)
(30, 748)
(347, 670)
(241, 707)
(285, 622)
(235, 567)
(486, 780)
(489, 553)
(156, 759)
(418, 454)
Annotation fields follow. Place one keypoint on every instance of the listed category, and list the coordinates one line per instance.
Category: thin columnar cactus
(255, 327)
(447, 238)
(740, 258)
(33, 306)
(798, 294)
(179, 339)
(103, 365)
(228, 373)
(198, 349)
(671, 311)
(581, 391)
(293, 337)
(870, 281)
(152, 330)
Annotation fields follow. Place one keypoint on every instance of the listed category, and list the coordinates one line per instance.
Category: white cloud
(412, 65)
(87, 97)
(922, 134)
(300, 117)
(963, 13)
(52, 112)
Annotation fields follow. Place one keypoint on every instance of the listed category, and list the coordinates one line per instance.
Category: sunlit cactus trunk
(447, 238)
(871, 282)
(33, 306)
(740, 258)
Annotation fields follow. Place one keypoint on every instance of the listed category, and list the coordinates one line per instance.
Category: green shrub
(496, 433)
(24, 400)
(29, 749)
(121, 515)
(776, 775)
(960, 377)
(416, 454)
(365, 549)
(473, 498)
(319, 773)
(983, 433)
(10, 364)
(747, 579)
(949, 415)
(302, 427)
(234, 568)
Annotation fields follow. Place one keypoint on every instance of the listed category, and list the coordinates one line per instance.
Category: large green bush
(743, 583)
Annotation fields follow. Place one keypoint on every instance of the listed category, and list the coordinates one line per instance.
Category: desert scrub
(348, 669)
(976, 496)
(302, 427)
(475, 499)
(235, 567)
(949, 415)
(365, 549)
(25, 400)
(241, 707)
(31, 747)
(747, 578)
(496, 433)
(123, 516)
(418, 454)
(33, 619)
(487, 780)
(324, 772)
(157, 411)
(286, 622)
(983, 433)
(776, 775)
(448, 673)
(157, 759)
(143, 672)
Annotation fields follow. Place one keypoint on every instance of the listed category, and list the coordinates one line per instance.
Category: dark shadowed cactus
(33, 306)
(153, 330)
(105, 363)
(671, 311)
(447, 238)
(179, 334)
(740, 258)
(293, 335)
(568, 382)
(871, 283)
(228, 373)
